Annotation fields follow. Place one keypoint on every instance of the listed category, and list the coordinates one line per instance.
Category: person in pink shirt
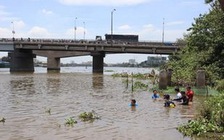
(189, 93)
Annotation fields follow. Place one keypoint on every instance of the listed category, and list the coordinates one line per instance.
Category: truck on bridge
(122, 38)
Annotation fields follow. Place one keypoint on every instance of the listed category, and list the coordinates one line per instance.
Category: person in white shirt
(177, 90)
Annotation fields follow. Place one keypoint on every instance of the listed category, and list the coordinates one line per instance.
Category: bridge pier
(98, 61)
(21, 61)
(53, 63)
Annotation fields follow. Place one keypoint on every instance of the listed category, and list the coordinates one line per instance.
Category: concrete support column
(163, 79)
(53, 64)
(200, 80)
(98, 61)
(169, 77)
(21, 61)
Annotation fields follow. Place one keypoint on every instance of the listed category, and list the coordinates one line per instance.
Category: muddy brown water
(25, 98)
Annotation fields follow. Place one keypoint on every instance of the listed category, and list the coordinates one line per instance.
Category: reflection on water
(97, 81)
(133, 108)
(24, 99)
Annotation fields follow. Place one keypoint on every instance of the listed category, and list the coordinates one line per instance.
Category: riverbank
(209, 122)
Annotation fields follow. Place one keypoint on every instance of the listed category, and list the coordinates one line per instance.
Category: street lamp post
(75, 28)
(163, 32)
(112, 12)
(84, 33)
(13, 30)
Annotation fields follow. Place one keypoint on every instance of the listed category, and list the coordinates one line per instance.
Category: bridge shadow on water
(97, 81)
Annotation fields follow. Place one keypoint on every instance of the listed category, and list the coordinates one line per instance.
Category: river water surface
(25, 98)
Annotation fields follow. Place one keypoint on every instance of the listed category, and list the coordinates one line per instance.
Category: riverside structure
(22, 51)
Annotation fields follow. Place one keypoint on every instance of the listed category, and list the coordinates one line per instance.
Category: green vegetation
(210, 118)
(220, 85)
(85, 116)
(120, 75)
(109, 70)
(88, 116)
(140, 85)
(137, 75)
(70, 121)
(203, 50)
(2, 119)
(48, 111)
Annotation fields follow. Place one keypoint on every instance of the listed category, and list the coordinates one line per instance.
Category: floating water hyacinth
(70, 121)
(89, 116)
(2, 119)
(48, 111)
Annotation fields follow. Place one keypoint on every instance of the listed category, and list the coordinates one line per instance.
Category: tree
(204, 49)
(221, 2)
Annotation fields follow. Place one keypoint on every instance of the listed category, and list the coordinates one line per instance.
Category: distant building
(155, 61)
(132, 61)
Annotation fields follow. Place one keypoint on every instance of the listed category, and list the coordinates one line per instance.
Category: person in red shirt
(189, 93)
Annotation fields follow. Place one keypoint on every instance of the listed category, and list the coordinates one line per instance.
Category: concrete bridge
(22, 51)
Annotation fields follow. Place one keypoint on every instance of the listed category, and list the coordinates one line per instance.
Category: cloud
(103, 2)
(46, 12)
(70, 33)
(190, 3)
(148, 28)
(173, 35)
(18, 24)
(150, 32)
(124, 27)
(39, 32)
(3, 14)
(174, 23)
(5, 33)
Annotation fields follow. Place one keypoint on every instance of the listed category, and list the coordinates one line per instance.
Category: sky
(58, 18)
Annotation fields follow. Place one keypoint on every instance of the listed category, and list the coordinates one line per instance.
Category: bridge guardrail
(34, 40)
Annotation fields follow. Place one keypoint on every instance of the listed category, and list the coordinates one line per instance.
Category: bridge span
(22, 51)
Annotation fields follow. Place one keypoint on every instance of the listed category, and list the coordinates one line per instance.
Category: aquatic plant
(2, 119)
(48, 111)
(140, 85)
(70, 121)
(89, 116)
(120, 75)
(210, 119)
(137, 75)
(109, 70)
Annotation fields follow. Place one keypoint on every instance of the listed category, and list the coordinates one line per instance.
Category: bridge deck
(91, 46)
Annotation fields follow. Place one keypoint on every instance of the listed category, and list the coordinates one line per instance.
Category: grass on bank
(210, 121)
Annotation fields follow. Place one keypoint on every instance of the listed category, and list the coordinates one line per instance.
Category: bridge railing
(81, 41)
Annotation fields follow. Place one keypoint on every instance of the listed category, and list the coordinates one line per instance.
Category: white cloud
(174, 23)
(148, 27)
(103, 2)
(5, 33)
(4, 16)
(152, 33)
(124, 27)
(18, 24)
(2, 11)
(172, 35)
(46, 12)
(190, 3)
(39, 32)
(70, 33)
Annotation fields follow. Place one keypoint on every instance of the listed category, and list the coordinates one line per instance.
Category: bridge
(22, 51)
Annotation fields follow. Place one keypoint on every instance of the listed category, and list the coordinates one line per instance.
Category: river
(25, 98)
